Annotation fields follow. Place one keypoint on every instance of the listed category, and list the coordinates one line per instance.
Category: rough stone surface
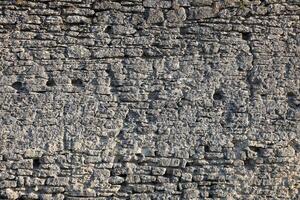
(152, 99)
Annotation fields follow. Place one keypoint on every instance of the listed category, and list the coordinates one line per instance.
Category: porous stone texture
(152, 99)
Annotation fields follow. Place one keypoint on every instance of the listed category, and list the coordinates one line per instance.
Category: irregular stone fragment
(155, 16)
(7, 20)
(78, 52)
(77, 20)
(157, 4)
(126, 30)
(58, 181)
(200, 13)
(201, 2)
(106, 5)
(191, 194)
(53, 20)
(10, 194)
(108, 53)
(177, 15)
(149, 99)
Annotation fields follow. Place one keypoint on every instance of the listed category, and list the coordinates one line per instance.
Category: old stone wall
(149, 99)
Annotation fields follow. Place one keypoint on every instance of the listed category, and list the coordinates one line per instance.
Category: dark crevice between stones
(292, 100)
(23, 197)
(257, 150)
(108, 30)
(20, 87)
(249, 164)
(264, 96)
(218, 95)
(4, 158)
(290, 95)
(123, 176)
(206, 148)
(124, 185)
(77, 82)
(50, 83)
(17, 85)
(41, 92)
(169, 173)
(183, 31)
(249, 14)
(240, 69)
(189, 164)
(36, 163)
(246, 36)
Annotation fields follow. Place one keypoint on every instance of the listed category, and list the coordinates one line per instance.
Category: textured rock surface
(153, 99)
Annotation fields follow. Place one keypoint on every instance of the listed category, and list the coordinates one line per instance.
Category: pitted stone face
(149, 99)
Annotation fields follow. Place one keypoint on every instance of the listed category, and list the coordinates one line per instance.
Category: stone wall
(152, 99)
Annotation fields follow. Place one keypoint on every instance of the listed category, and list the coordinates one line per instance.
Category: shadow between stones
(51, 83)
(36, 163)
(77, 82)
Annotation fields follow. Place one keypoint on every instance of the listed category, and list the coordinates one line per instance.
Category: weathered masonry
(149, 99)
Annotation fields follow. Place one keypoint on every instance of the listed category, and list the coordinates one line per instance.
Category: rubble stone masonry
(149, 99)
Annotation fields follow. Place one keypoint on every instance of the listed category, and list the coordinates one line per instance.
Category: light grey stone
(155, 16)
(78, 52)
(76, 19)
(201, 13)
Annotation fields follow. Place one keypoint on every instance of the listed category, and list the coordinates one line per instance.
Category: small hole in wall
(77, 82)
(20, 87)
(168, 173)
(240, 69)
(218, 95)
(255, 149)
(124, 184)
(291, 95)
(249, 164)
(206, 148)
(23, 197)
(108, 29)
(123, 176)
(36, 163)
(17, 85)
(4, 158)
(50, 83)
(246, 36)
